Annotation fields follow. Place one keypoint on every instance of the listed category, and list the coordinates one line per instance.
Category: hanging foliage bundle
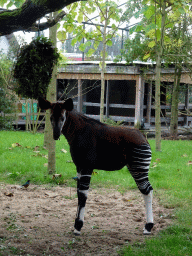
(34, 66)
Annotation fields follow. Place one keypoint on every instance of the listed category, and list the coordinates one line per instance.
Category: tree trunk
(158, 81)
(174, 103)
(49, 142)
(103, 64)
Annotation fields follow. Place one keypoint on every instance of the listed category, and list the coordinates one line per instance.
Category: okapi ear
(68, 104)
(44, 104)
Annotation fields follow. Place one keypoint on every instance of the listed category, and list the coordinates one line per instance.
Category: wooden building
(129, 91)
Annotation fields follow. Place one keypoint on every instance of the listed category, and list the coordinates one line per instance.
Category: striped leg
(82, 192)
(139, 167)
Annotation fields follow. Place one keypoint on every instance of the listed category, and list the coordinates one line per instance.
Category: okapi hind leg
(149, 213)
(83, 182)
(141, 159)
(146, 189)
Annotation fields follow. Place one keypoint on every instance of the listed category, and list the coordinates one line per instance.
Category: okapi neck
(70, 126)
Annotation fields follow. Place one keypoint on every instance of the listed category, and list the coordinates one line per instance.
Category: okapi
(94, 145)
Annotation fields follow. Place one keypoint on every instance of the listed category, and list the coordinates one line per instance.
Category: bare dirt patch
(39, 221)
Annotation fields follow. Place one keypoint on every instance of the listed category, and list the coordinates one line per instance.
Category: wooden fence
(183, 120)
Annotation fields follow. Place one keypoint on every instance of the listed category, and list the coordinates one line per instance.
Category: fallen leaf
(9, 194)
(184, 155)
(55, 176)
(36, 148)
(154, 165)
(126, 200)
(45, 164)
(190, 162)
(158, 159)
(63, 150)
(16, 145)
(51, 195)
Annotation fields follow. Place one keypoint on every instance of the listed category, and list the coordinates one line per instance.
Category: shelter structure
(129, 91)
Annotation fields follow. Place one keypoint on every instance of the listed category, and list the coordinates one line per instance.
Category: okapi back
(99, 145)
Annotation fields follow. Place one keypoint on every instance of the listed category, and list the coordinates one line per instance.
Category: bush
(34, 66)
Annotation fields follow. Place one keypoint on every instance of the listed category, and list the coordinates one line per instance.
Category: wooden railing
(19, 117)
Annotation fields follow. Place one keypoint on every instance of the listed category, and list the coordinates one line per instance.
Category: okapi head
(57, 115)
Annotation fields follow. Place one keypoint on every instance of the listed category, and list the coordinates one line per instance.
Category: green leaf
(90, 52)
(152, 44)
(109, 43)
(80, 18)
(74, 41)
(149, 12)
(61, 35)
(139, 28)
(58, 25)
(9, 5)
(2, 2)
(158, 34)
(96, 44)
(181, 10)
(82, 47)
(146, 56)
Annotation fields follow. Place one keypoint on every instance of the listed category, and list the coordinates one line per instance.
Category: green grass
(173, 241)
(170, 175)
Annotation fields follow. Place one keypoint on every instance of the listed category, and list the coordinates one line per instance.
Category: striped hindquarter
(139, 167)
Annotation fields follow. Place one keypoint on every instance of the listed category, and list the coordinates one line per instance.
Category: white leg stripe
(78, 175)
(82, 213)
(64, 116)
(76, 232)
(148, 206)
(141, 150)
(146, 159)
(85, 192)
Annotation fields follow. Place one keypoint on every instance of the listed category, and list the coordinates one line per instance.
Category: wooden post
(138, 102)
(186, 104)
(149, 97)
(107, 99)
(80, 98)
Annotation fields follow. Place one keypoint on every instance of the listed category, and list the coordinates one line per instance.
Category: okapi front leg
(82, 192)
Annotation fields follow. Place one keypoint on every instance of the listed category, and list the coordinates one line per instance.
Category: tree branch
(25, 17)
(50, 23)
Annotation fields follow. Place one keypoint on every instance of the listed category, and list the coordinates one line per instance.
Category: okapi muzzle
(57, 124)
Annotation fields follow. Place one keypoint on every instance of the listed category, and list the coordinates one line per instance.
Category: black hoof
(147, 228)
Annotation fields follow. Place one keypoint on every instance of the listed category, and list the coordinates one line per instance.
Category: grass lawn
(170, 175)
